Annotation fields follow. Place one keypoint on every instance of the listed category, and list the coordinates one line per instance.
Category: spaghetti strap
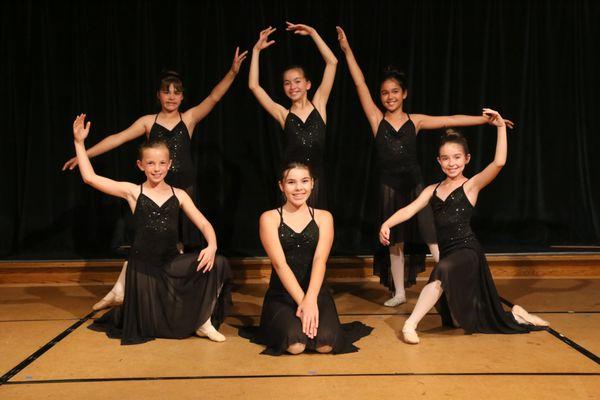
(280, 211)
(180, 117)
(173, 190)
(141, 188)
(156, 118)
(437, 186)
(312, 212)
(408, 115)
(463, 184)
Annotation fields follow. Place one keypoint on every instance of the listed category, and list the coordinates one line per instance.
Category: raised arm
(423, 121)
(308, 310)
(482, 179)
(269, 237)
(137, 129)
(405, 214)
(373, 113)
(125, 190)
(197, 113)
(276, 110)
(322, 93)
(207, 256)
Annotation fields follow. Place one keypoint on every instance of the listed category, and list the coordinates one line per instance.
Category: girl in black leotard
(400, 174)
(462, 277)
(304, 122)
(298, 312)
(176, 129)
(167, 295)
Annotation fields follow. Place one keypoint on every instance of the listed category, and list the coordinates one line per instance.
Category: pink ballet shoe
(110, 300)
(410, 334)
(528, 318)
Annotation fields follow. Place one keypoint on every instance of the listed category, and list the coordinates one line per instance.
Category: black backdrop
(537, 62)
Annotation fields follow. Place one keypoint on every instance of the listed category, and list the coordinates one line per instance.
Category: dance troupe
(164, 292)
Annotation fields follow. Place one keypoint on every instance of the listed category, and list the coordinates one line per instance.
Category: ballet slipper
(395, 301)
(110, 300)
(520, 313)
(209, 331)
(410, 334)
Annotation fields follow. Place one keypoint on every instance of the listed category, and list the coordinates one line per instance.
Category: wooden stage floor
(561, 363)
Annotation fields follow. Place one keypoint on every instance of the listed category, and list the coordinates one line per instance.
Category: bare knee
(296, 348)
(325, 349)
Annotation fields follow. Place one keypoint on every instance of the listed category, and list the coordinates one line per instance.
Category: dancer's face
(453, 159)
(155, 163)
(296, 186)
(392, 95)
(295, 84)
(170, 99)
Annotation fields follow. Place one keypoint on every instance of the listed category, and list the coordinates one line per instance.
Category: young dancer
(298, 311)
(401, 180)
(304, 122)
(462, 277)
(176, 129)
(167, 295)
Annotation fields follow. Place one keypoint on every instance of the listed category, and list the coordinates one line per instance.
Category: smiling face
(392, 95)
(170, 97)
(296, 185)
(453, 159)
(155, 163)
(295, 84)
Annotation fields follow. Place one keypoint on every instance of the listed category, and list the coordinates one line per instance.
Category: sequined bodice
(397, 153)
(452, 219)
(181, 173)
(299, 249)
(156, 228)
(305, 141)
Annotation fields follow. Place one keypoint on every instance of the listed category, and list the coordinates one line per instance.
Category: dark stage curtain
(535, 61)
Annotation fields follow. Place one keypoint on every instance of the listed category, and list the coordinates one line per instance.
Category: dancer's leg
(429, 296)
(397, 268)
(116, 294)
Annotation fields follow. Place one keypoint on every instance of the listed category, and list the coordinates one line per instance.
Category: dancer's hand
(495, 119)
(344, 45)
(300, 29)
(80, 128)
(308, 312)
(384, 234)
(237, 60)
(72, 163)
(207, 259)
(263, 42)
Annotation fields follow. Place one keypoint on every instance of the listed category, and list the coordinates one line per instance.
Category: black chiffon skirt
(415, 234)
(470, 295)
(167, 301)
(280, 327)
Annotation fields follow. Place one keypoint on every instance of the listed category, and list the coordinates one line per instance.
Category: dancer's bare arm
(276, 110)
(373, 113)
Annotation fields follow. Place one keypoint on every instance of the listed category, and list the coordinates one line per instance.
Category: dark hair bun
(391, 72)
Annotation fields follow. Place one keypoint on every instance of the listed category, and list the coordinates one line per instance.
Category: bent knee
(325, 349)
(296, 348)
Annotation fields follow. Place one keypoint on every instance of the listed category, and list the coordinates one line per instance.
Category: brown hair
(454, 136)
(152, 144)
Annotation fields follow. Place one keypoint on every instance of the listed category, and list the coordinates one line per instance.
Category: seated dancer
(167, 294)
(304, 122)
(298, 311)
(461, 283)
